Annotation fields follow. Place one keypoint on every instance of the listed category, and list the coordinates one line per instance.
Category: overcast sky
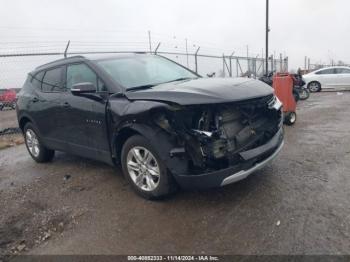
(318, 29)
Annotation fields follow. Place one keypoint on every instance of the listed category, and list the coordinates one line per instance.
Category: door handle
(66, 104)
(35, 99)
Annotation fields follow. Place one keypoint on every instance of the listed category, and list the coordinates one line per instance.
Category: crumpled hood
(204, 91)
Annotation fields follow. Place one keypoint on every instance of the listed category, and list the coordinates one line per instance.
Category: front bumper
(255, 159)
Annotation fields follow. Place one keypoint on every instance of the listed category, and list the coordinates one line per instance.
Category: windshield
(144, 71)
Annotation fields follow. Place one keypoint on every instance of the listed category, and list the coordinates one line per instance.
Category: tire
(290, 118)
(148, 176)
(304, 94)
(13, 105)
(1, 107)
(314, 87)
(36, 149)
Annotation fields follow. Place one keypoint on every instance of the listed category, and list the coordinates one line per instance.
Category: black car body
(206, 132)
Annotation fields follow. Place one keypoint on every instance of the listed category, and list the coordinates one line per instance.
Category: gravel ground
(8, 119)
(299, 204)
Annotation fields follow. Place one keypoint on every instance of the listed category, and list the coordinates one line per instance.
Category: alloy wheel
(143, 168)
(32, 143)
(293, 118)
(314, 87)
(303, 94)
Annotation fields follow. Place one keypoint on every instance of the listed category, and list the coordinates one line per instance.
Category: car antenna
(65, 51)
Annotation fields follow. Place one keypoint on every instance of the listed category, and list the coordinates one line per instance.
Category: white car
(328, 78)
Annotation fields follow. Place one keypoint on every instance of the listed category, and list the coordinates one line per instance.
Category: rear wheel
(36, 149)
(304, 94)
(314, 87)
(145, 170)
(290, 118)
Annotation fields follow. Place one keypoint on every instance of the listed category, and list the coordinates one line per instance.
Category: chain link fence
(17, 62)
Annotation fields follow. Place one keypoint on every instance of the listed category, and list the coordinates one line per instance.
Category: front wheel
(314, 87)
(304, 94)
(144, 169)
(36, 149)
(290, 118)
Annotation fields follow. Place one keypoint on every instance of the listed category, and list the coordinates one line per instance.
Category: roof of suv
(89, 57)
(60, 62)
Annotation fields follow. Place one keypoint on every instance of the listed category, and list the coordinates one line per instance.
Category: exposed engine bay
(214, 135)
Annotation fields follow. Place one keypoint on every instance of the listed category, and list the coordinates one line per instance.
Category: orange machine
(283, 85)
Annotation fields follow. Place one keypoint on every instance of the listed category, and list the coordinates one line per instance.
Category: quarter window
(38, 79)
(343, 71)
(52, 81)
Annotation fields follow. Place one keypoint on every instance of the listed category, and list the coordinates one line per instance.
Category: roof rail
(60, 60)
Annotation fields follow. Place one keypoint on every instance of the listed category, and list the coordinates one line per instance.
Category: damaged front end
(217, 141)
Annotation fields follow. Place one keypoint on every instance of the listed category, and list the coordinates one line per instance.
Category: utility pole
(196, 59)
(267, 38)
(281, 68)
(248, 59)
(149, 41)
(187, 53)
(263, 62)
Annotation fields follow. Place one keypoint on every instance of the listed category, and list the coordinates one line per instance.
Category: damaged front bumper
(254, 160)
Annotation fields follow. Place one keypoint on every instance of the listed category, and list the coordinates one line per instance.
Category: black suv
(164, 124)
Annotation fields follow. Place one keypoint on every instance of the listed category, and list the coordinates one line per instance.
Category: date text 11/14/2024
(173, 258)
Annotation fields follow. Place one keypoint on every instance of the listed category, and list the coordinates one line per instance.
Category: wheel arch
(23, 121)
(162, 142)
(119, 139)
(129, 130)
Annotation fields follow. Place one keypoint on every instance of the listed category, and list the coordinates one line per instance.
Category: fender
(33, 122)
(162, 142)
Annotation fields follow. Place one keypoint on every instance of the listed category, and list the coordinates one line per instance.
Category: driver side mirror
(83, 88)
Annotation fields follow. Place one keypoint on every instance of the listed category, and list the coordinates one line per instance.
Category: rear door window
(329, 71)
(52, 81)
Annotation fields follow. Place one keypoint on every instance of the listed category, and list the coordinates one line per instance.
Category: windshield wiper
(152, 85)
(139, 87)
(180, 79)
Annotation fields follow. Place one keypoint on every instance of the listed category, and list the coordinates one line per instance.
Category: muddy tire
(290, 118)
(144, 169)
(36, 149)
